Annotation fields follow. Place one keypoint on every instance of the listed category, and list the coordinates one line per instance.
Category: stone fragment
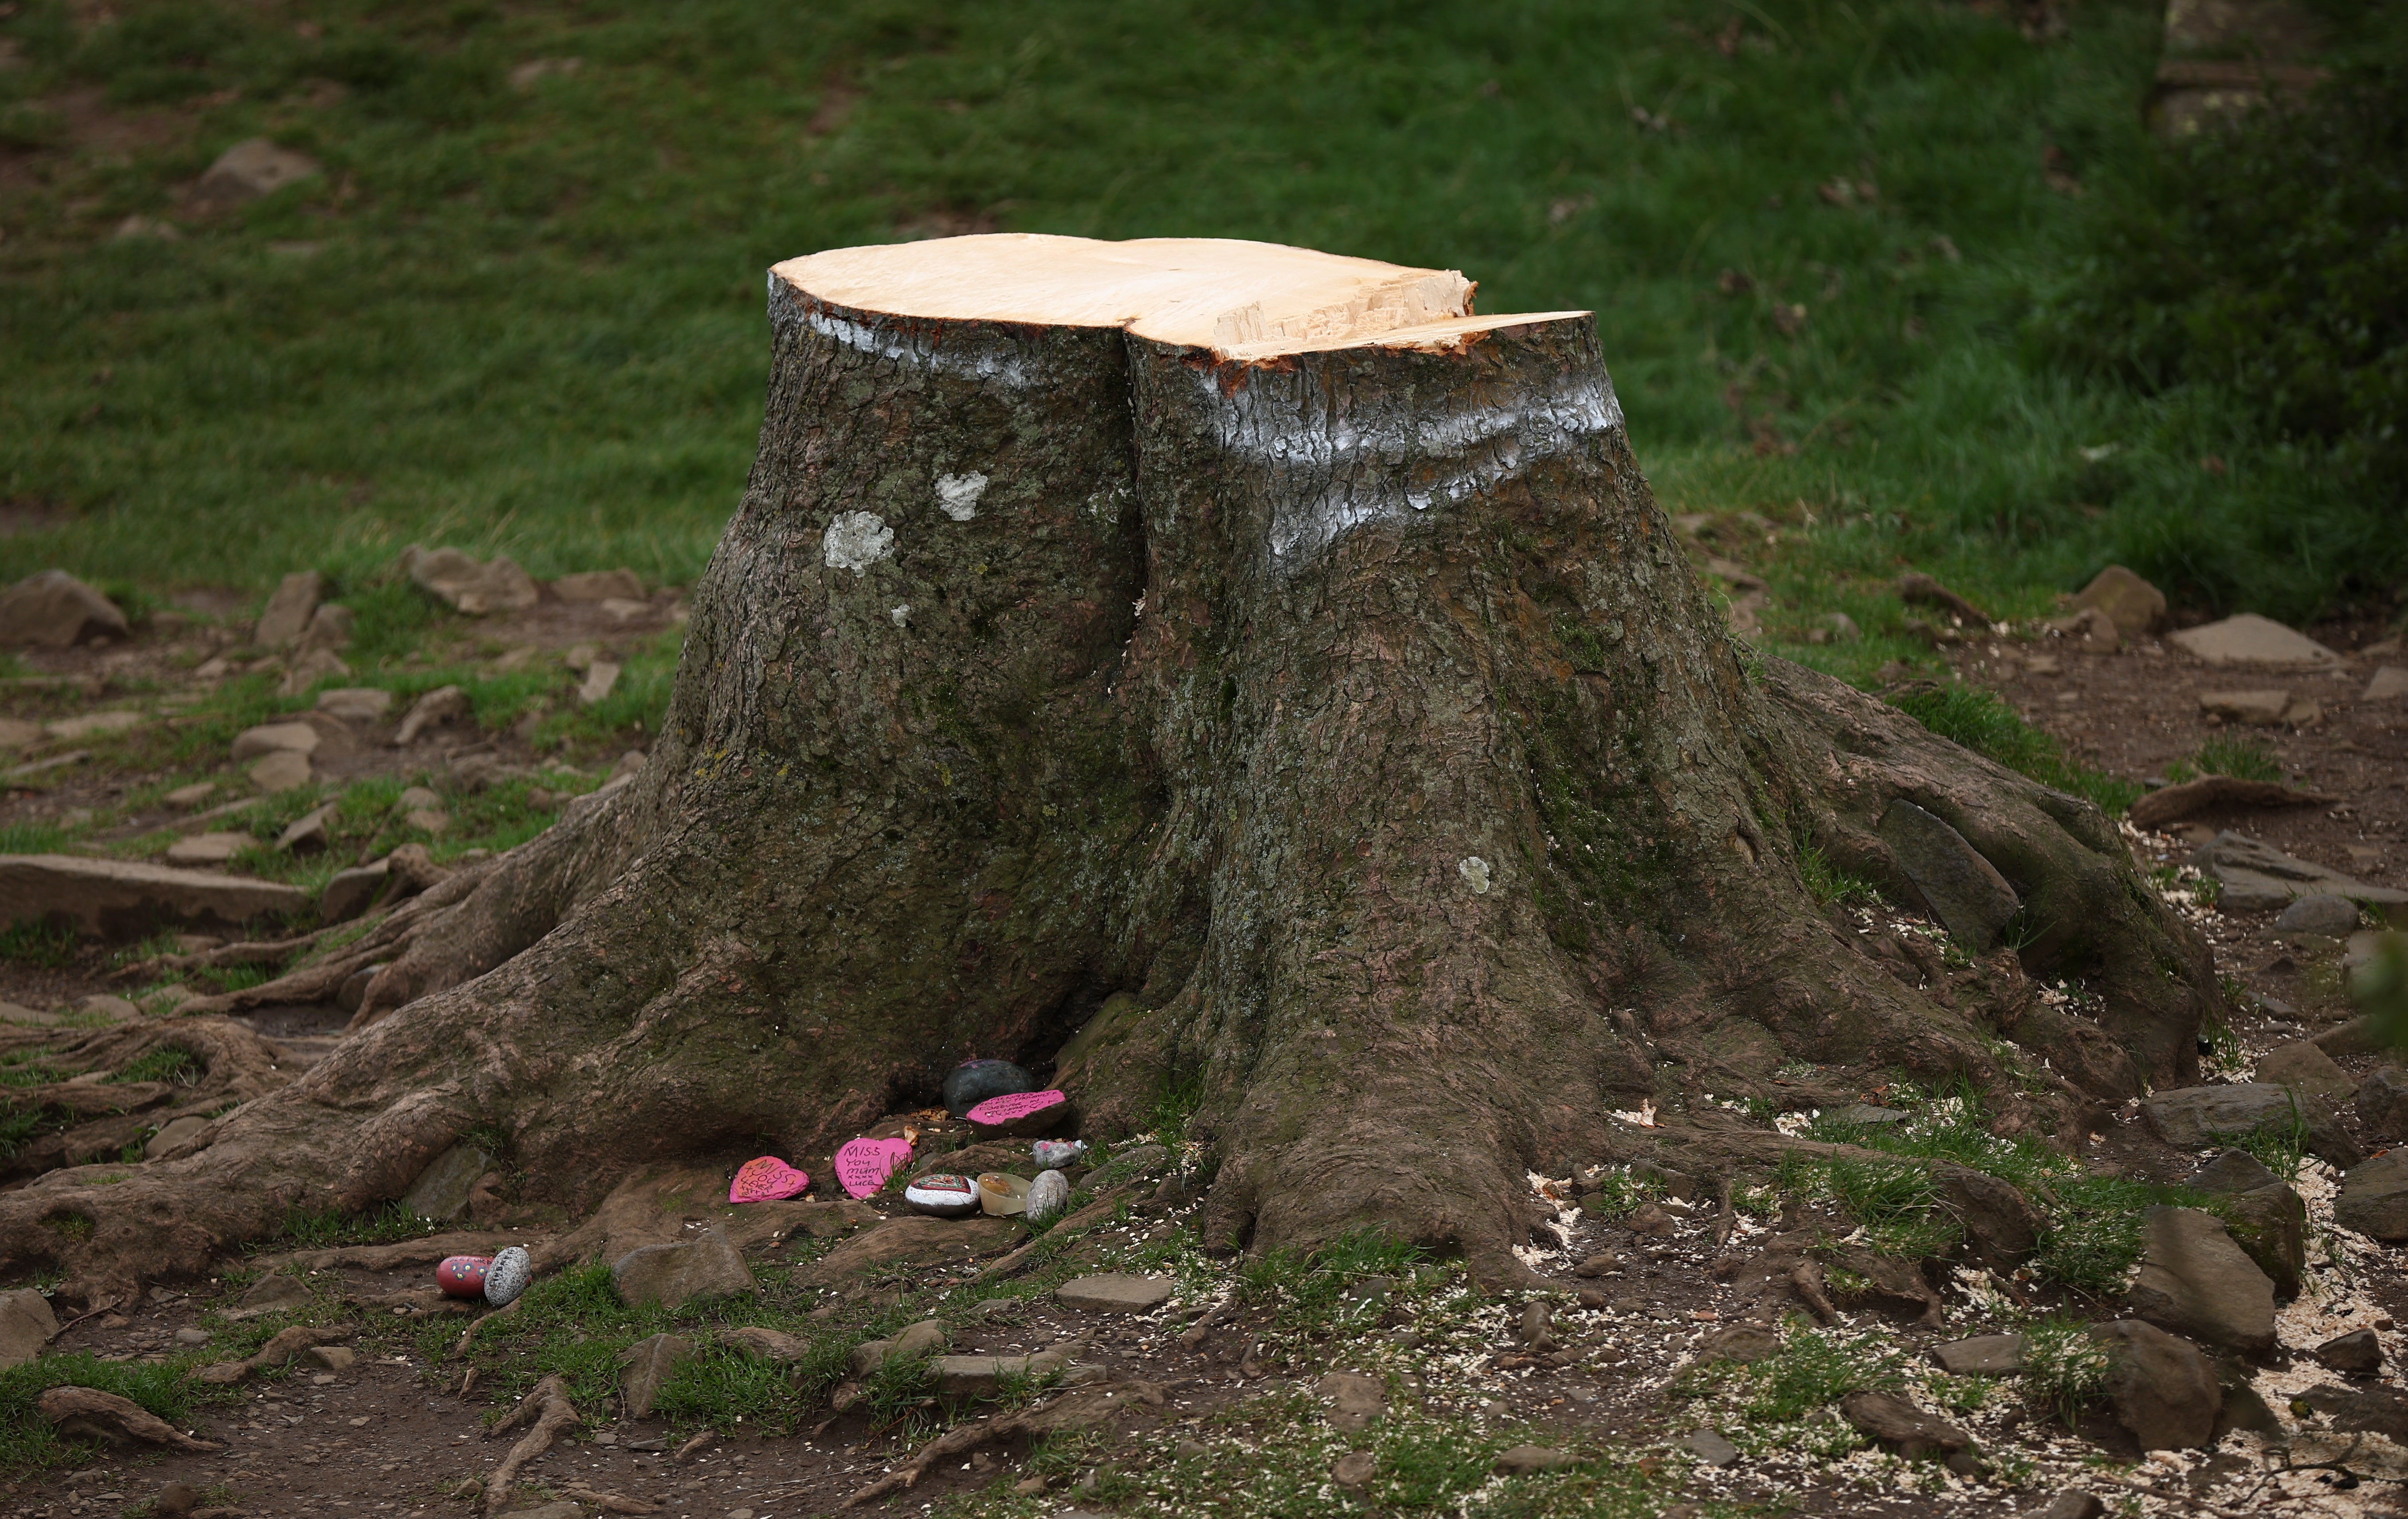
(2089, 630)
(1355, 1399)
(1598, 1264)
(1898, 1425)
(355, 704)
(645, 1366)
(444, 704)
(1984, 1356)
(330, 1357)
(1525, 1460)
(311, 667)
(208, 848)
(55, 611)
(2253, 709)
(2269, 1224)
(1354, 1468)
(1047, 1196)
(282, 771)
(1743, 1343)
(1963, 890)
(330, 628)
(461, 582)
(121, 898)
(2374, 1410)
(2234, 1170)
(2074, 1504)
(2258, 878)
(2323, 913)
(1020, 1114)
(2302, 1068)
(2251, 640)
(188, 798)
(1709, 1447)
(311, 831)
(2162, 1389)
(601, 679)
(94, 726)
(2196, 1117)
(349, 893)
(770, 1344)
(26, 1325)
(253, 167)
(173, 1135)
(917, 1343)
(2356, 1353)
(441, 1191)
(2002, 1226)
(2195, 1280)
(973, 1082)
(2375, 1197)
(1115, 1292)
(2383, 1102)
(2169, 805)
(2391, 684)
(1648, 1219)
(2131, 603)
(704, 1268)
(276, 1292)
(600, 585)
(88, 1411)
(289, 609)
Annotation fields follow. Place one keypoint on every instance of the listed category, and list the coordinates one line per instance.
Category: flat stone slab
(1709, 1447)
(2196, 1117)
(2258, 878)
(2195, 1280)
(1963, 890)
(1984, 1356)
(124, 898)
(1115, 1292)
(2251, 640)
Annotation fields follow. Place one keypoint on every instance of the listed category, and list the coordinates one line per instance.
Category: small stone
(1900, 1426)
(330, 1357)
(250, 169)
(1354, 1469)
(188, 798)
(512, 1269)
(918, 1342)
(600, 585)
(1047, 1196)
(355, 704)
(600, 679)
(2251, 640)
(175, 1500)
(1598, 1264)
(1355, 1399)
(311, 831)
(2234, 1170)
(2194, 1280)
(2269, 1224)
(2383, 1102)
(2356, 1353)
(100, 1005)
(278, 1290)
(290, 608)
(1921, 590)
(1868, 1116)
(973, 1082)
(1709, 1447)
(2300, 1066)
(942, 1194)
(427, 819)
(647, 1364)
(94, 724)
(2074, 1504)
(190, 1336)
(983, 1376)
(1526, 1460)
(2131, 603)
(1984, 1356)
(2391, 684)
(1964, 890)
(461, 582)
(208, 848)
(1648, 1219)
(700, 1270)
(330, 628)
(2195, 1117)
(1115, 1292)
(2163, 1390)
(282, 771)
(274, 738)
(1054, 1155)
(1536, 1329)
(2374, 1198)
(349, 893)
(174, 1133)
(2333, 916)
(55, 611)
(444, 704)
(26, 1325)
(2254, 708)
(461, 1275)
(1743, 1343)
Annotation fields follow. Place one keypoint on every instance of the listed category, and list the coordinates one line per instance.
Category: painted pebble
(509, 1276)
(1053, 1155)
(1047, 1196)
(767, 1179)
(863, 1165)
(463, 1276)
(1001, 1195)
(973, 1082)
(1020, 1112)
(944, 1194)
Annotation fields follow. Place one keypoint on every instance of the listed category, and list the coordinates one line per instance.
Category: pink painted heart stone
(863, 1165)
(767, 1179)
(1019, 1111)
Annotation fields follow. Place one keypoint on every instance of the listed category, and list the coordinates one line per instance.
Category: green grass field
(529, 316)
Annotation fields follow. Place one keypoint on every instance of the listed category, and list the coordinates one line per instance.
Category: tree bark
(1339, 723)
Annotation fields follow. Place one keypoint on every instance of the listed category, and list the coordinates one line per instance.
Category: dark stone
(349, 894)
(2001, 1227)
(2356, 1353)
(1900, 1426)
(2195, 1280)
(2323, 913)
(2300, 1064)
(1984, 1356)
(2161, 1388)
(2074, 1504)
(2375, 1197)
(2371, 1411)
(2235, 1170)
(702, 1270)
(973, 1082)
(2270, 1226)
(1963, 890)
(2244, 1409)
(1709, 1447)
(2195, 1117)
(1522, 1460)
(2383, 1102)
(2361, 1035)
(1743, 1343)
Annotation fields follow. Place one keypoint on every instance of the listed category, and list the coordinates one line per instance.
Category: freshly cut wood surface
(1246, 299)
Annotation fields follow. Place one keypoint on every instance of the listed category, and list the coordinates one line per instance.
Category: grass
(2243, 759)
(330, 1228)
(529, 318)
(29, 1443)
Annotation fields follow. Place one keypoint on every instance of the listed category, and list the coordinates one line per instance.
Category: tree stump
(1254, 659)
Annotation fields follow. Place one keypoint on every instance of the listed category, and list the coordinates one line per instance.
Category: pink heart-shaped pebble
(1014, 1108)
(767, 1179)
(863, 1165)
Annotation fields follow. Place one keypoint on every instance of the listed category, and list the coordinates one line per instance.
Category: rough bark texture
(1354, 713)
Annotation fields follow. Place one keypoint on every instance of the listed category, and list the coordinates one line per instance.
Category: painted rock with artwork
(863, 1165)
(1020, 1113)
(1047, 1196)
(767, 1179)
(973, 1082)
(1001, 1195)
(512, 1269)
(1053, 1155)
(942, 1194)
(463, 1276)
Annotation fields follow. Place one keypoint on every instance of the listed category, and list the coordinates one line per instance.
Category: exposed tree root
(549, 1410)
(230, 1065)
(1071, 1411)
(88, 1411)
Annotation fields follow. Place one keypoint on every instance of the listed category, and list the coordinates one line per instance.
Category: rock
(190, 797)
(311, 668)
(1598, 1264)
(115, 1010)
(55, 611)
(1900, 1426)
(701, 1270)
(1019, 1114)
(2195, 1117)
(1354, 1468)
(1525, 1460)
(2216, 792)
(2302, 1068)
(2251, 640)
(1115, 1292)
(2373, 1197)
(174, 1135)
(330, 1357)
(2257, 878)
(2254, 708)
(26, 1325)
(1963, 890)
(253, 167)
(1920, 590)
(600, 585)
(917, 1343)
(973, 1082)
(460, 582)
(508, 1277)
(175, 1500)
(600, 678)
(2244, 1409)
(1709, 1447)
(769, 1344)
(1743, 1343)
(311, 831)
(644, 1366)
(2074, 1504)
(282, 771)
(2335, 917)
(2269, 1224)
(1054, 1155)
(276, 1292)
(2089, 630)
(330, 628)
(2131, 603)
(441, 705)
(208, 848)
(1355, 1400)
(1865, 1114)
(2356, 1353)
(2370, 1410)
(441, 1191)
(1127, 1166)
(2361, 1035)
(2162, 1390)
(93, 725)
(120, 898)
(290, 608)
(2001, 1227)
(2234, 1170)
(983, 1376)
(2196, 1282)
(2383, 1102)
(1047, 1196)
(1648, 1219)
(1984, 1356)
(942, 1194)
(2391, 684)
(349, 893)
(355, 704)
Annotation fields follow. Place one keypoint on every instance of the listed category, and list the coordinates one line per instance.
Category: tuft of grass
(326, 1229)
(1828, 883)
(1813, 1370)
(1985, 724)
(161, 1063)
(32, 942)
(2065, 1371)
(2243, 759)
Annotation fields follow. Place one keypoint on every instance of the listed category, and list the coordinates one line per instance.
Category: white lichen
(1474, 871)
(957, 496)
(900, 616)
(856, 540)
